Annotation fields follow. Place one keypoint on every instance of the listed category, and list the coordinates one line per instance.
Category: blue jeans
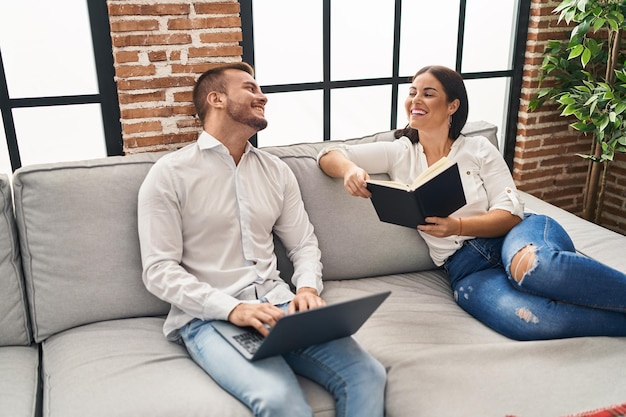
(564, 294)
(269, 386)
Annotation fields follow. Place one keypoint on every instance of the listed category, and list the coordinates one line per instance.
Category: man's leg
(268, 386)
(346, 370)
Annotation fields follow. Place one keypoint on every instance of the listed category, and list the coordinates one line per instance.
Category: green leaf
(576, 51)
(582, 127)
(604, 122)
(569, 110)
(598, 23)
(591, 100)
(588, 157)
(621, 75)
(586, 57)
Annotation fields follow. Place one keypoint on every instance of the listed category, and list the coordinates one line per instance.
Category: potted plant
(587, 79)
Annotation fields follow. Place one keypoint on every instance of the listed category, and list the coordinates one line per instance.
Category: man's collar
(208, 141)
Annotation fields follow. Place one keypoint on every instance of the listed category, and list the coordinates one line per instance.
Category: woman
(517, 273)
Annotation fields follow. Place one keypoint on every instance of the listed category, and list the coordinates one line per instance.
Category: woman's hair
(213, 80)
(454, 87)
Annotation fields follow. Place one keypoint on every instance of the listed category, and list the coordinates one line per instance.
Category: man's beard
(244, 114)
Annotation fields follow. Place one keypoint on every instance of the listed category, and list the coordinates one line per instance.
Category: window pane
(361, 39)
(488, 43)
(5, 162)
(46, 48)
(428, 34)
(488, 101)
(359, 111)
(59, 133)
(403, 93)
(292, 118)
(280, 59)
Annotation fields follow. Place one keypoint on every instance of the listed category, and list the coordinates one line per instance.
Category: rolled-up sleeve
(501, 191)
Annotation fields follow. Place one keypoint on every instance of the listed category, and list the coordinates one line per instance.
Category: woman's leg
(490, 297)
(267, 386)
(483, 289)
(540, 258)
(348, 372)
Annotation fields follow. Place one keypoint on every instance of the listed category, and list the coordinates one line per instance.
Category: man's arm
(161, 243)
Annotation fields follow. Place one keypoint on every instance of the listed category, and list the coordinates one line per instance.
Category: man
(207, 213)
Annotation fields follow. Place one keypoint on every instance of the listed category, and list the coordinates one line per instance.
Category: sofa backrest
(353, 242)
(77, 225)
(14, 326)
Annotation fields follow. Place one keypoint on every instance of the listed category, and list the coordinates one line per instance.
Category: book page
(432, 171)
(391, 184)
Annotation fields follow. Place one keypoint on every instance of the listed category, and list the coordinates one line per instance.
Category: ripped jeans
(563, 294)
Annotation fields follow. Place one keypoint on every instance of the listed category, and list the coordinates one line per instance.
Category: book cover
(438, 192)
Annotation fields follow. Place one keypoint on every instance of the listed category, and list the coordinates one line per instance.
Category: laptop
(302, 329)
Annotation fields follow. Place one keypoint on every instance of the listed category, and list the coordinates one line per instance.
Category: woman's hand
(441, 226)
(354, 182)
(494, 223)
(336, 165)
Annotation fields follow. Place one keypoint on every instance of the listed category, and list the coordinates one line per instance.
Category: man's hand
(258, 316)
(306, 298)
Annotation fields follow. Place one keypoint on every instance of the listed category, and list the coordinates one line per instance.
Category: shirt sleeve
(375, 157)
(295, 230)
(498, 182)
(161, 243)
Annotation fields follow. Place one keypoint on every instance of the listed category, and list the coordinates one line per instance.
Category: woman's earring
(450, 121)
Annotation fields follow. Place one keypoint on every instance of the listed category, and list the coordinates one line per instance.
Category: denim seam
(311, 359)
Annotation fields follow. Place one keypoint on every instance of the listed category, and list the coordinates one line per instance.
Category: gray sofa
(81, 336)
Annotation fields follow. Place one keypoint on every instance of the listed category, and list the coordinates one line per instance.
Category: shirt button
(468, 173)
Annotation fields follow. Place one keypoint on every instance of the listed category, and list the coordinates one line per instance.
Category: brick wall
(159, 49)
(545, 162)
(161, 46)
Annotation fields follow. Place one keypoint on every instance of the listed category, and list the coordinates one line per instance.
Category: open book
(438, 191)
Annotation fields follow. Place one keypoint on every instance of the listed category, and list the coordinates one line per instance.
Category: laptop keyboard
(249, 340)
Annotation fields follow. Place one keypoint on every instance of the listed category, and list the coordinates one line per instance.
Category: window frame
(107, 87)
(515, 74)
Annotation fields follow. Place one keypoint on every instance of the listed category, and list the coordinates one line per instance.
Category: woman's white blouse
(486, 178)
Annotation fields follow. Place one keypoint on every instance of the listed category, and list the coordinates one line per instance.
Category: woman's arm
(335, 164)
(494, 223)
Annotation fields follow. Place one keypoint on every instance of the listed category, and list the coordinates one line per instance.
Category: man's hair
(213, 80)
(454, 87)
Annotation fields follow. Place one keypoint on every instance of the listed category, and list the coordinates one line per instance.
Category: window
(339, 69)
(56, 82)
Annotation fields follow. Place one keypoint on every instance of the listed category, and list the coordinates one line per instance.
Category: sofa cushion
(442, 362)
(351, 238)
(126, 368)
(14, 326)
(20, 391)
(80, 249)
